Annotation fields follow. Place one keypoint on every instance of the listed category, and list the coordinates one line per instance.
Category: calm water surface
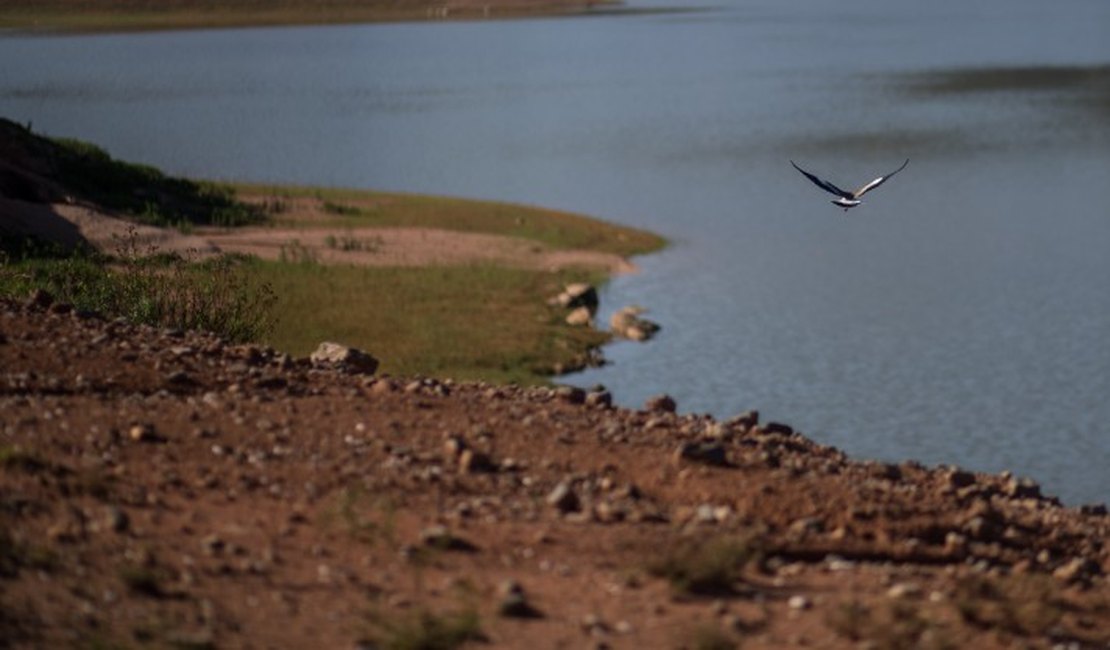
(961, 315)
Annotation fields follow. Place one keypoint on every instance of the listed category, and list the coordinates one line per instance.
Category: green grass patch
(215, 295)
(468, 322)
(554, 228)
(426, 630)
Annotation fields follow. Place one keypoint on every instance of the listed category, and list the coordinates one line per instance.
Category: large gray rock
(345, 358)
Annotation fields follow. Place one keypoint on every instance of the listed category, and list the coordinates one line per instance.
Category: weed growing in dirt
(348, 243)
(849, 619)
(341, 209)
(426, 630)
(707, 567)
(164, 290)
(367, 519)
(294, 252)
(888, 626)
(711, 637)
(1021, 605)
(17, 458)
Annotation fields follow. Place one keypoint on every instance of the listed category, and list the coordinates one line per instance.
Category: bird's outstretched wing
(825, 185)
(878, 181)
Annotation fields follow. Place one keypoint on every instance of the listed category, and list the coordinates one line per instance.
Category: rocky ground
(165, 489)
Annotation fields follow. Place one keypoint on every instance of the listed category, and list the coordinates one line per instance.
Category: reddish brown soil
(164, 489)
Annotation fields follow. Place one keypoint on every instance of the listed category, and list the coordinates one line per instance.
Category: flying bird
(844, 198)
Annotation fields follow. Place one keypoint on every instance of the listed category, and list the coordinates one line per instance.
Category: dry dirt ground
(165, 489)
(70, 224)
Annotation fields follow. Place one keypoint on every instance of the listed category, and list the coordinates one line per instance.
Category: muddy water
(960, 315)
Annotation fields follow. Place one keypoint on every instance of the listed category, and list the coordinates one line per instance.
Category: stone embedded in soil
(345, 358)
(563, 498)
(144, 433)
(439, 537)
(708, 453)
(660, 404)
(514, 602)
(475, 462)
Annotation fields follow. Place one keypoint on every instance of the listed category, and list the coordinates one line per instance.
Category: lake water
(961, 315)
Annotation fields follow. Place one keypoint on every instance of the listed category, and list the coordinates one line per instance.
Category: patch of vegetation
(80, 171)
(17, 458)
(466, 322)
(889, 626)
(426, 630)
(215, 295)
(348, 243)
(710, 567)
(711, 637)
(368, 520)
(296, 253)
(1026, 606)
(145, 192)
(342, 210)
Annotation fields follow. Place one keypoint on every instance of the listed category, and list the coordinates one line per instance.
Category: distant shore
(133, 15)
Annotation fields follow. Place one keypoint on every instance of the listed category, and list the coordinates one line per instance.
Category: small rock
(601, 398)
(441, 538)
(627, 323)
(514, 603)
(1076, 570)
(744, 421)
(579, 317)
(144, 433)
(344, 358)
(959, 478)
(660, 404)
(212, 545)
(799, 603)
(563, 498)
(1022, 488)
(571, 394)
(779, 428)
(904, 590)
(982, 529)
(475, 462)
(453, 446)
(807, 525)
(578, 295)
(116, 520)
(709, 453)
